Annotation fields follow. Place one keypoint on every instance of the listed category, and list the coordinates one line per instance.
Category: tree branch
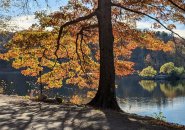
(141, 13)
(81, 34)
(71, 23)
(173, 3)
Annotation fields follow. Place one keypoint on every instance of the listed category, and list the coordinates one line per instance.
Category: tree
(105, 96)
(105, 19)
(148, 72)
(167, 68)
(171, 69)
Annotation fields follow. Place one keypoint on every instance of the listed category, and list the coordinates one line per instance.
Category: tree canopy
(70, 51)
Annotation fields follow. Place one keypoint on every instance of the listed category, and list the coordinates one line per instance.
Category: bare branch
(77, 37)
(89, 27)
(176, 5)
(141, 13)
(81, 34)
(61, 31)
(81, 48)
(71, 23)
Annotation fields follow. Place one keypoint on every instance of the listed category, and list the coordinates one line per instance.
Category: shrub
(159, 116)
(148, 72)
(179, 71)
(167, 68)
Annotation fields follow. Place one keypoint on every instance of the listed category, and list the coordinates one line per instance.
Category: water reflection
(169, 89)
(148, 85)
(147, 97)
(173, 89)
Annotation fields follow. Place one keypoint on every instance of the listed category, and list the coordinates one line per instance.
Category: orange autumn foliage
(76, 60)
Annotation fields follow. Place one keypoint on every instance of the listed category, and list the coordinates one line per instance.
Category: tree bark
(105, 97)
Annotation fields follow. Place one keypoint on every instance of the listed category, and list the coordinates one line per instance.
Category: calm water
(14, 83)
(140, 97)
(149, 97)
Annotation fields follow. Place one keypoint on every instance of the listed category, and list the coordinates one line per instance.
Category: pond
(134, 96)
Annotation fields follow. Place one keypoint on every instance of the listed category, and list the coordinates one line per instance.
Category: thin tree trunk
(105, 97)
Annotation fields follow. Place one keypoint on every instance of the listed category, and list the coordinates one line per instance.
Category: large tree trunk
(105, 97)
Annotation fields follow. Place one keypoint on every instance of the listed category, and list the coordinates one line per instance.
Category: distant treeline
(143, 57)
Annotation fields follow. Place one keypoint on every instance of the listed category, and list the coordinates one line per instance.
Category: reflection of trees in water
(150, 93)
(170, 89)
(148, 85)
(173, 89)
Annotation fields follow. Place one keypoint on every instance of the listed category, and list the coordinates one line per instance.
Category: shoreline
(18, 113)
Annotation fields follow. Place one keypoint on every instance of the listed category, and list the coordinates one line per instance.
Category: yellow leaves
(152, 43)
(34, 49)
(14, 54)
(76, 100)
(79, 81)
(48, 63)
(32, 71)
(11, 54)
(29, 72)
(39, 47)
(17, 63)
(122, 51)
(25, 61)
(132, 45)
(91, 94)
(124, 67)
(169, 47)
(51, 80)
(18, 37)
(71, 74)
(4, 57)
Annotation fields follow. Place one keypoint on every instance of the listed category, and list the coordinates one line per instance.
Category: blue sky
(34, 6)
(24, 19)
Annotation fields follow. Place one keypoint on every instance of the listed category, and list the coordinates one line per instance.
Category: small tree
(167, 68)
(148, 72)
